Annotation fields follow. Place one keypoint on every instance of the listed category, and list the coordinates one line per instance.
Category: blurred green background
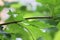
(31, 20)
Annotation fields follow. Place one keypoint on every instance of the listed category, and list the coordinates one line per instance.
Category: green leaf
(40, 24)
(34, 32)
(57, 36)
(17, 32)
(16, 6)
(58, 25)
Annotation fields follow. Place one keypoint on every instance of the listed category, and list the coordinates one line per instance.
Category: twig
(27, 19)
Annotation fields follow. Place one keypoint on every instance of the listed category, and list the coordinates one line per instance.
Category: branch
(39, 18)
(27, 19)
